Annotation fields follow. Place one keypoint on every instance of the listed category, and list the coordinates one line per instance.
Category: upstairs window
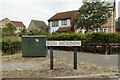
(55, 23)
(104, 30)
(97, 30)
(64, 22)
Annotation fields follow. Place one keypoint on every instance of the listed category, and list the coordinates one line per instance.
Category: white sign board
(63, 43)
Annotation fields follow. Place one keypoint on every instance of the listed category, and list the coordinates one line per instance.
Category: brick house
(118, 25)
(65, 19)
(19, 25)
(38, 24)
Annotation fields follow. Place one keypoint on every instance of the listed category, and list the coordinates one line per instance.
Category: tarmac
(109, 61)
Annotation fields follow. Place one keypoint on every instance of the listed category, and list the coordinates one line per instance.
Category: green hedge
(99, 37)
(67, 36)
(10, 46)
(93, 37)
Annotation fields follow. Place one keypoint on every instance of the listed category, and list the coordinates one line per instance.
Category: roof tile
(63, 15)
(18, 23)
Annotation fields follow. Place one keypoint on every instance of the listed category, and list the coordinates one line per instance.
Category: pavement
(110, 61)
(21, 66)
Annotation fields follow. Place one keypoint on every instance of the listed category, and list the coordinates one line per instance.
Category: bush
(67, 36)
(93, 37)
(36, 32)
(99, 37)
(22, 32)
(10, 46)
(9, 30)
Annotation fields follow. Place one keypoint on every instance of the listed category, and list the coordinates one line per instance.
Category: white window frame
(55, 23)
(64, 22)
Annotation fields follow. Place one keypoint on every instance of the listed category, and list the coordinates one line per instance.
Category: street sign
(63, 43)
(51, 44)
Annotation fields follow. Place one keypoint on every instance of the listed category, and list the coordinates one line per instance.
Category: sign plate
(63, 43)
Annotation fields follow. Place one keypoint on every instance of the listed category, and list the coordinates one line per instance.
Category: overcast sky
(118, 9)
(25, 10)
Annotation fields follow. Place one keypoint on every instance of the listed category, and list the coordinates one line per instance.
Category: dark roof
(37, 24)
(64, 29)
(18, 23)
(63, 15)
(4, 19)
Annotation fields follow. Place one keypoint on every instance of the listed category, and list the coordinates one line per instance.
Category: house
(62, 19)
(65, 19)
(109, 26)
(118, 25)
(37, 24)
(118, 9)
(19, 25)
(118, 20)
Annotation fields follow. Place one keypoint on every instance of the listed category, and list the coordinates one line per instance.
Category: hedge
(99, 37)
(93, 37)
(67, 36)
(10, 45)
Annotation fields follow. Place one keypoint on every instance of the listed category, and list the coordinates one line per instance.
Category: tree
(92, 15)
(9, 29)
(33, 32)
(23, 32)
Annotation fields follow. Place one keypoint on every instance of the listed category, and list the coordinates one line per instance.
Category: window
(55, 24)
(64, 22)
(19, 28)
(97, 30)
(101, 29)
(104, 30)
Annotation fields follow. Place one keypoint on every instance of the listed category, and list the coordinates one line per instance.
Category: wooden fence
(108, 47)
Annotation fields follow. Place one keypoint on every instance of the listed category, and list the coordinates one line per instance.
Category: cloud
(25, 10)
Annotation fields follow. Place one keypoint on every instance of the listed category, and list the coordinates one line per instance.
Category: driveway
(110, 61)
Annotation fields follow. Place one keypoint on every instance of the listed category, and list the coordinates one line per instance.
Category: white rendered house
(63, 19)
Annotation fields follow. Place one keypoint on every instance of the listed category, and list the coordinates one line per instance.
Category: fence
(108, 48)
(97, 48)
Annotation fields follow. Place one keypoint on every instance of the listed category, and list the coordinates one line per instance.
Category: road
(110, 61)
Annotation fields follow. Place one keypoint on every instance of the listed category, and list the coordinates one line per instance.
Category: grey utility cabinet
(34, 46)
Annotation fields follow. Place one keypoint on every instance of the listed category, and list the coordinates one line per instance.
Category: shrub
(33, 32)
(67, 36)
(9, 30)
(93, 37)
(10, 46)
(22, 32)
(101, 37)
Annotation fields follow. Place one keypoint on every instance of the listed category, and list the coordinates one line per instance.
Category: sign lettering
(63, 43)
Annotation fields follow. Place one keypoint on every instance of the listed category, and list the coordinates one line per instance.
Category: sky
(26, 10)
(118, 9)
